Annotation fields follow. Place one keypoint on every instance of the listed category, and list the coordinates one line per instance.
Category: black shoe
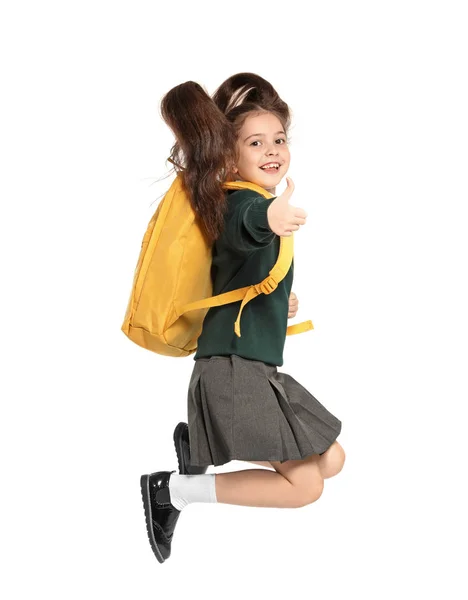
(161, 515)
(182, 446)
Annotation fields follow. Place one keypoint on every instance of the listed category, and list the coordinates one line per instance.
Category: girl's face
(262, 140)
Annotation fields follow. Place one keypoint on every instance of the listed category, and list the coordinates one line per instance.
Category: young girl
(240, 407)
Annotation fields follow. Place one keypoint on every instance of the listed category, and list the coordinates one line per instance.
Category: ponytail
(204, 151)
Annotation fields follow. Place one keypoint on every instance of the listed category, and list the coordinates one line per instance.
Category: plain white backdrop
(378, 92)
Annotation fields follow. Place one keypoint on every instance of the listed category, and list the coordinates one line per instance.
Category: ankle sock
(185, 489)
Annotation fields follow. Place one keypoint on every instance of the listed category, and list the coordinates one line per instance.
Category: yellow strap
(299, 327)
(240, 185)
(219, 300)
(270, 283)
(252, 293)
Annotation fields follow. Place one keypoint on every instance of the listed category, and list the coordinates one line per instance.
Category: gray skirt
(241, 409)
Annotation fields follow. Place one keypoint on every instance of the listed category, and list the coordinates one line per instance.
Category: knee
(332, 461)
(340, 457)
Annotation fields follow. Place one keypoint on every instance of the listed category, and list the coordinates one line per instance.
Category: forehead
(261, 123)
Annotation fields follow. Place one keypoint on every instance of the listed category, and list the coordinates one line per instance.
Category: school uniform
(240, 407)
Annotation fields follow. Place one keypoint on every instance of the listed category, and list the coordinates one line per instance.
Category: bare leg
(331, 462)
(292, 484)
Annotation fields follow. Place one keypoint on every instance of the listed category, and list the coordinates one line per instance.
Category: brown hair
(206, 131)
(247, 93)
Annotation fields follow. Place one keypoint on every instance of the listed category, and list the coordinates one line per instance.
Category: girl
(239, 406)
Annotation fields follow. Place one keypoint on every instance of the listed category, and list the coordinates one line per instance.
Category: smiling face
(262, 140)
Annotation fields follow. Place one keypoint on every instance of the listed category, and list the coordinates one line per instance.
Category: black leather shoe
(182, 446)
(161, 515)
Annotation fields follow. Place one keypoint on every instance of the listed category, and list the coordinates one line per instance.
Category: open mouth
(271, 167)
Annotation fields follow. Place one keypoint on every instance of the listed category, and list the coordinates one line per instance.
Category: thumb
(286, 195)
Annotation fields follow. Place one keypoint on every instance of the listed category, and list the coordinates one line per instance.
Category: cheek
(250, 160)
(286, 155)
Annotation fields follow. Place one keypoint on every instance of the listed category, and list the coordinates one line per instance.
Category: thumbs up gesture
(283, 218)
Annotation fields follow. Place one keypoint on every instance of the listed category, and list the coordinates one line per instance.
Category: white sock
(185, 489)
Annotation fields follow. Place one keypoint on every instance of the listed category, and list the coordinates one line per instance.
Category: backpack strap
(267, 286)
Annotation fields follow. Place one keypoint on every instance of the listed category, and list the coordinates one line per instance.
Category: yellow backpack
(172, 285)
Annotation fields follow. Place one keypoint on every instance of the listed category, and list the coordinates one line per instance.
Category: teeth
(271, 166)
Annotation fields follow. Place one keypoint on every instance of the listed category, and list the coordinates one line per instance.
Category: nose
(273, 149)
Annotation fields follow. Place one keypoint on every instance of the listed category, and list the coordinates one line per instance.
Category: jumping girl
(240, 407)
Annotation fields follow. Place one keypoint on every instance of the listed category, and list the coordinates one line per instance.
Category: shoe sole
(145, 493)
(178, 448)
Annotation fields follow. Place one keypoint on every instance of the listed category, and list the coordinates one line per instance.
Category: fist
(293, 305)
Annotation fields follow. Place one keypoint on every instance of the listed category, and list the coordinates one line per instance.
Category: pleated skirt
(242, 409)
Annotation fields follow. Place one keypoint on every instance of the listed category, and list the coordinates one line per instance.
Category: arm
(246, 224)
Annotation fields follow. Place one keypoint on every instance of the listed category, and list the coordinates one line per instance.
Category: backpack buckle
(268, 286)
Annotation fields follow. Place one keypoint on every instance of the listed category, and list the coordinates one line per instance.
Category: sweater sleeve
(246, 225)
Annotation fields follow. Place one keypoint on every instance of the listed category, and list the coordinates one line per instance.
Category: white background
(379, 150)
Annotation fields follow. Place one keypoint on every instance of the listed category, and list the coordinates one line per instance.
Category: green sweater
(244, 254)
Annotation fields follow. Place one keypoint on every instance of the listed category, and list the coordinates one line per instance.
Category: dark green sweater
(243, 255)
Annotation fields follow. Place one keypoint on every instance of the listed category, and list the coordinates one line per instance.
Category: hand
(293, 305)
(284, 219)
